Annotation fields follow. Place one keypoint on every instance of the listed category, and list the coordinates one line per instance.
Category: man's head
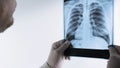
(7, 8)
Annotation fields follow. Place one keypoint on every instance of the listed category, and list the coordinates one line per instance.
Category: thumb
(117, 49)
(64, 46)
(112, 51)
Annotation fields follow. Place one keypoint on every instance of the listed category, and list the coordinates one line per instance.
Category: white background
(39, 23)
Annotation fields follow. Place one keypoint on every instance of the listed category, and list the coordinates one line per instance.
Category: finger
(64, 46)
(112, 51)
(57, 44)
(67, 57)
(117, 49)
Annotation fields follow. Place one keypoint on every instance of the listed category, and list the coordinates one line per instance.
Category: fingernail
(67, 43)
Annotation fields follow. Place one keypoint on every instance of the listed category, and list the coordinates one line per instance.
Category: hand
(114, 60)
(57, 53)
(7, 8)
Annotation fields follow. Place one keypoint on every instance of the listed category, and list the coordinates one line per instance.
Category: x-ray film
(88, 25)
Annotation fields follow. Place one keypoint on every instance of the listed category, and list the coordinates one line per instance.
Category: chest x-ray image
(88, 24)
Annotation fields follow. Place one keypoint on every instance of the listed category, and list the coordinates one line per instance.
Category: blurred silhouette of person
(7, 8)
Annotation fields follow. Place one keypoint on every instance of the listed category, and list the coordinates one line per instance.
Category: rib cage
(76, 18)
(98, 22)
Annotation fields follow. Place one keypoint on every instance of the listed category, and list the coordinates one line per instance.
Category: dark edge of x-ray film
(74, 17)
(66, 0)
(90, 53)
(93, 53)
